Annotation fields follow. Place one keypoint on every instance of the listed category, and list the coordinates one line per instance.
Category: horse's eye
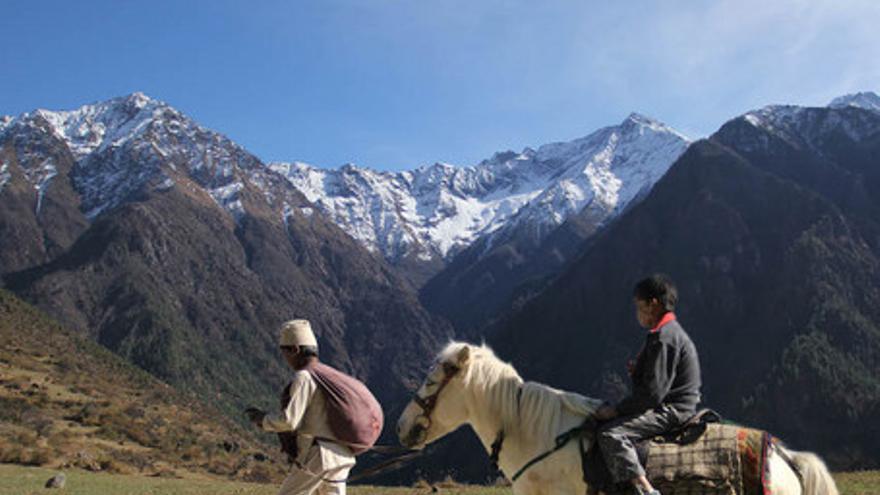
(430, 383)
(450, 369)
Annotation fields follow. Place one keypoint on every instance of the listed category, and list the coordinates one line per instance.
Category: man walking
(322, 463)
(666, 385)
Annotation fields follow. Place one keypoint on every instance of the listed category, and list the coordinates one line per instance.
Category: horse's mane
(526, 408)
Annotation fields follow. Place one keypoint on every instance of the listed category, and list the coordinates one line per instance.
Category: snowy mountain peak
(639, 119)
(779, 117)
(434, 211)
(437, 167)
(642, 122)
(139, 99)
(865, 99)
(112, 122)
(127, 143)
(807, 126)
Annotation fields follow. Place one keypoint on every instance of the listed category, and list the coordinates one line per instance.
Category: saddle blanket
(724, 460)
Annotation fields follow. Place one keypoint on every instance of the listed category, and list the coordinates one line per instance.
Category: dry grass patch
(65, 402)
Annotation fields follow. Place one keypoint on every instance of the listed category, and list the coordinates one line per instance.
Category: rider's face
(648, 312)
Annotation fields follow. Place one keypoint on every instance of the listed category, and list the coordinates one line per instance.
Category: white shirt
(305, 414)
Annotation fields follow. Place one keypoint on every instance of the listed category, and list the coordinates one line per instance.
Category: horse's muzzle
(415, 439)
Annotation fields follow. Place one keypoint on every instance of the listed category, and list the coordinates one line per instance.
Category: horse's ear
(464, 356)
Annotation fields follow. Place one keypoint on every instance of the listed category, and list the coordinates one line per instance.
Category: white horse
(469, 385)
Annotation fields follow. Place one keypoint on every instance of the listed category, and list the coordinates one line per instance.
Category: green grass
(18, 480)
(859, 483)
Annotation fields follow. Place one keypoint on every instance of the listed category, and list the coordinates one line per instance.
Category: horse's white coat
(490, 396)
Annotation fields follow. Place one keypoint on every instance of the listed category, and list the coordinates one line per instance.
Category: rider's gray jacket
(667, 372)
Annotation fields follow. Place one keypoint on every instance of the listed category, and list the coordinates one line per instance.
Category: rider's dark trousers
(616, 439)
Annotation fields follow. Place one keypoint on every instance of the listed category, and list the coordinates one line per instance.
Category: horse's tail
(815, 476)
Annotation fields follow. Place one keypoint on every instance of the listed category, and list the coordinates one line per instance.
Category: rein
(561, 441)
(406, 456)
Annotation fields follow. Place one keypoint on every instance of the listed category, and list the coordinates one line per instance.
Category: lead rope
(561, 441)
(385, 466)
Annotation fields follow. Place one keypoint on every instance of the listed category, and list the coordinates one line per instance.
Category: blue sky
(393, 84)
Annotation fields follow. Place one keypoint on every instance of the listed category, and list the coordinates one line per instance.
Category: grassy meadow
(18, 480)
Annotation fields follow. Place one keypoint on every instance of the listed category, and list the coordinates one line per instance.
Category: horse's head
(438, 406)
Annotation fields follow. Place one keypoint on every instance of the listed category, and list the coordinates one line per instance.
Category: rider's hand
(255, 416)
(605, 413)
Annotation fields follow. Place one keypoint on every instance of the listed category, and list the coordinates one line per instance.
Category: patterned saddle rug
(703, 459)
(724, 460)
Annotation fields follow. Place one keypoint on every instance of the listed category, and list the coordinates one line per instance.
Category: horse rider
(666, 385)
(322, 464)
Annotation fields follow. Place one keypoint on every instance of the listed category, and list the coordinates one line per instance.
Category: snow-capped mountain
(125, 144)
(435, 211)
(865, 99)
(122, 145)
(807, 126)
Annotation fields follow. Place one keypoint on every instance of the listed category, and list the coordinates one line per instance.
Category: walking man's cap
(297, 332)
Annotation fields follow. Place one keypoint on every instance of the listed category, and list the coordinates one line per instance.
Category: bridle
(429, 403)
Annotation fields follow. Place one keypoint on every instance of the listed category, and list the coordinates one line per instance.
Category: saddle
(701, 457)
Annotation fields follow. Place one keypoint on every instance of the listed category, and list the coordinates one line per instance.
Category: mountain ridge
(433, 212)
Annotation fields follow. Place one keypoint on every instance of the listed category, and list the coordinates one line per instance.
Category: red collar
(670, 316)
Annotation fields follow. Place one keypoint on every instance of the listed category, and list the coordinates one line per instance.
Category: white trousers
(324, 461)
